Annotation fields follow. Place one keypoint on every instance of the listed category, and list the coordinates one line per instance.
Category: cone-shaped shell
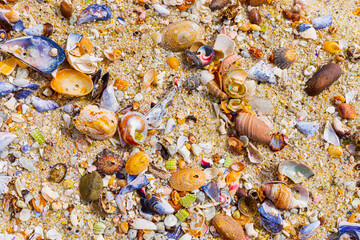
(187, 179)
(72, 82)
(253, 127)
(284, 57)
(180, 35)
(227, 227)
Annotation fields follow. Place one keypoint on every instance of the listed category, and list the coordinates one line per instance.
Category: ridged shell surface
(227, 227)
(284, 57)
(187, 179)
(253, 127)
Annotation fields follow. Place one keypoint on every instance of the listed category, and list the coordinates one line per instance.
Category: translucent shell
(72, 82)
(253, 127)
(297, 172)
(94, 12)
(137, 163)
(40, 53)
(187, 179)
(180, 35)
(284, 57)
(10, 13)
(58, 173)
(234, 83)
(133, 128)
(247, 206)
(148, 79)
(96, 122)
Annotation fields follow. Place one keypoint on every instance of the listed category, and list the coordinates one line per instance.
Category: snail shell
(234, 83)
(284, 57)
(215, 91)
(133, 128)
(180, 35)
(253, 127)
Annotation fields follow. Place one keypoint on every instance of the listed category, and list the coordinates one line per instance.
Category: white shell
(139, 223)
(86, 63)
(170, 220)
(224, 44)
(108, 99)
(49, 194)
(170, 125)
(330, 135)
(4, 180)
(25, 215)
(205, 76)
(250, 231)
(254, 154)
(185, 153)
(309, 34)
(161, 10)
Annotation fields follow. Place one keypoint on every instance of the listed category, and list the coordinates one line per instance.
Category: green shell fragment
(182, 214)
(99, 228)
(228, 162)
(187, 200)
(37, 135)
(170, 164)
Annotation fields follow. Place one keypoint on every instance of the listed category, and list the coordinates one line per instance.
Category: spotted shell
(253, 127)
(180, 35)
(187, 179)
(137, 163)
(284, 57)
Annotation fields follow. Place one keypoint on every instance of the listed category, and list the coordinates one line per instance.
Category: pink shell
(227, 62)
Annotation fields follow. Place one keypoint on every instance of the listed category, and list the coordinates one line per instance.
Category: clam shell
(137, 163)
(284, 57)
(133, 128)
(349, 230)
(180, 35)
(297, 172)
(254, 155)
(224, 44)
(227, 227)
(187, 179)
(72, 82)
(94, 12)
(253, 127)
(323, 78)
(247, 206)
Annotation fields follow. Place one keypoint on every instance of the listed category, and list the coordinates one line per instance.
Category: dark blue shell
(19, 26)
(26, 90)
(155, 205)
(349, 230)
(42, 105)
(6, 88)
(322, 22)
(304, 26)
(270, 217)
(309, 230)
(308, 128)
(176, 234)
(140, 181)
(211, 189)
(94, 12)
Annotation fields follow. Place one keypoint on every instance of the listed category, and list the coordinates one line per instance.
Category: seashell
(224, 199)
(284, 57)
(156, 205)
(66, 9)
(348, 230)
(10, 14)
(137, 163)
(72, 82)
(216, 92)
(112, 54)
(309, 33)
(38, 204)
(108, 99)
(192, 83)
(270, 217)
(121, 84)
(212, 191)
(335, 151)
(142, 224)
(18, 27)
(247, 206)
(148, 79)
(187, 179)
(181, 35)
(158, 172)
(94, 12)
(330, 135)
(99, 86)
(108, 162)
(331, 47)
(235, 144)
(227, 227)
(308, 128)
(285, 197)
(173, 62)
(187, 4)
(45, 55)
(353, 53)
(3, 35)
(278, 142)
(234, 83)
(193, 59)
(205, 163)
(258, 53)
(99, 228)
(162, 10)
(340, 129)
(120, 202)
(297, 172)
(253, 127)
(322, 22)
(137, 182)
(346, 111)
(105, 201)
(48, 194)
(224, 44)
(133, 128)
(96, 122)
(218, 4)
(43, 105)
(187, 200)
(255, 16)
(58, 173)
(206, 54)
(304, 26)
(323, 78)
(4, 181)
(228, 62)
(19, 92)
(255, 3)
(307, 231)
(90, 186)
(45, 30)
(262, 72)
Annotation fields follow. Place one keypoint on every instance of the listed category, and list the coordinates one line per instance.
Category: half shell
(187, 179)
(297, 172)
(72, 82)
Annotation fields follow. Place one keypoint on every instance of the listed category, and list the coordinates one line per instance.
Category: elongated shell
(297, 172)
(307, 231)
(72, 82)
(180, 35)
(187, 179)
(253, 127)
(285, 197)
(96, 122)
(156, 205)
(133, 128)
(94, 12)
(227, 227)
(215, 91)
(5, 139)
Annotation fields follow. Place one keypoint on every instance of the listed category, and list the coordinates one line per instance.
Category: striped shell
(187, 179)
(227, 62)
(253, 127)
(180, 35)
(284, 57)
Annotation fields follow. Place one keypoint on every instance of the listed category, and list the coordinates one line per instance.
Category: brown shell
(254, 16)
(218, 4)
(284, 57)
(227, 227)
(216, 92)
(346, 111)
(256, 2)
(235, 144)
(254, 128)
(137, 163)
(108, 162)
(323, 78)
(187, 179)
(66, 9)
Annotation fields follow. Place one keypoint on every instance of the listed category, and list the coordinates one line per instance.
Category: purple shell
(308, 128)
(42, 105)
(309, 230)
(211, 189)
(5, 139)
(135, 182)
(155, 205)
(270, 217)
(322, 22)
(94, 12)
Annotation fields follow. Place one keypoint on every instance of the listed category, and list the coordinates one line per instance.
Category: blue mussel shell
(270, 217)
(349, 230)
(94, 12)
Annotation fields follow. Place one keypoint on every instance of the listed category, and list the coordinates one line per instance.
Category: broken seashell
(148, 79)
(212, 191)
(330, 135)
(254, 155)
(346, 111)
(253, 127)
(341, 130)
(112, 54)
(187, 179)
(235, 144)
(106, 198)
(10, 13)
(72, 82)
(224, 44)
(94, 12)
(297, 172)
(262, 72)
(284, 57)
(308, 128)
(5, 139)
(218, 4)
(133, 128)
(270, 217)
(228, 62)
(45, 30)
(215, 91)
(278, 142)
(156, 205)
(307, 231)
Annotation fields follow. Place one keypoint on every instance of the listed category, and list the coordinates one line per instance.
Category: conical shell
(187, 179)
(72, 82)
(180, 35)
(254, 128)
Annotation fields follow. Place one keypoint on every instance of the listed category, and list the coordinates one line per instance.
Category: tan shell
(253, 127)
(215, 91)
(96, 122)
(72, 82)
(187, 179)
(66, 9)
(180, 35)
(137, 163)
(234, 83)
(227, 227)
(10, 13)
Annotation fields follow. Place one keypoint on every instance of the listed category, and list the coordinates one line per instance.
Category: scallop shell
(284, 57)
(180, 35)
(137, 163)
(96, 122)
(297, 172)
(227, 227)
(234, 83)
(253, 127)
(72, 82)
(187, 179)
(133, 128)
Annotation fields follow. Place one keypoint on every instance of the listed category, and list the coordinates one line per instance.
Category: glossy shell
(253, 127)
(278, 142)
(212, 191)
(94, 12)
(96, 122)
(148, 79)
(307, 231)
(227, 227)
(137, 163)
(323, 78)
(270, 217)
(349, 231)
(156, 205)
(45, 30)
(308, 128)
(40, 53)
(187, 179)
(262, 72)
(346, 111)
(297, 172)
(206, 54)
(247, 206)
(58, 172)
(108, 162)
(72, 82)
(254, 155)
(133, 128)
(5, 139)
(234, 83)
(135, 182)
(180, 35)
(284, 57)
(66, 9)
(235, 144)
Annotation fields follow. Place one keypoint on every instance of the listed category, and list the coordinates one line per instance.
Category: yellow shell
(180, 35)
(137, 163)
(96, 122)
(331, 47)
(173, 62)
(187, 179)
(72, 82)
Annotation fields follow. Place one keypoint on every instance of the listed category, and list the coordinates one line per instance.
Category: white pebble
(250, 231)
(25, 215)
(309, 70)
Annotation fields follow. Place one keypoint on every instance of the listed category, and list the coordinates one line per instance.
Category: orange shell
(72, 82)
(137, 163)
(254, 128)
(187, 179)
(227, 227)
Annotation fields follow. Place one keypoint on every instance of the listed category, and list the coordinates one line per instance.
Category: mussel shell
(211, 189)
(270, 217)
(58, 172)
(247, 206)
(139, 181)
(133, 128)
(108, 162)
(349, 231)
(307, 231)
(155, 205)
(94, 12)
(206, 54)
(284, 57)
(297, 172)
(72, 82)
(99, 86)
(35, 51)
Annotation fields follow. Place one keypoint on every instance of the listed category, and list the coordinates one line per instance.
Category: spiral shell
(227, 62)
(284, 57)
(216, 92)
(96, 122)
(234, 83)
(235, 144)
(133, 128)
(253, 127)
(187, 179)
(180, 35)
